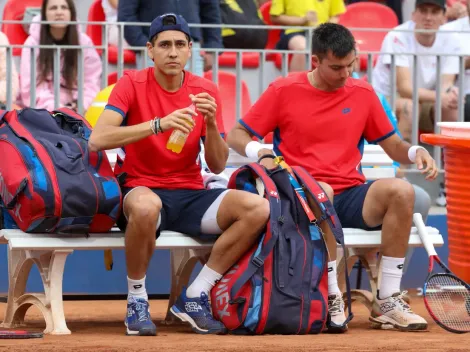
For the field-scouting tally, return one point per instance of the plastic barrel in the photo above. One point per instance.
(457, 182)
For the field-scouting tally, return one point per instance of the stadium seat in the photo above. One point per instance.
(227, 85)
(14, 10)
(368, 15)
(229, 59)
(96, 14)
(273, 34)
(112, 77)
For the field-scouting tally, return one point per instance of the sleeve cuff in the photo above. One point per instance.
(383, 137)
(243, 123)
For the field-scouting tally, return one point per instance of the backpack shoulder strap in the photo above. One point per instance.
(329, 214)
(274, 225)
(322, 200)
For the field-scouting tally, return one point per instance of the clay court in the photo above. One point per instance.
(98, 326)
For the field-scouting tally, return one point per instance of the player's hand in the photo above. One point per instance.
(206, 105)
(268, 163)
(181, 119)
(449, 100)
(426, 164)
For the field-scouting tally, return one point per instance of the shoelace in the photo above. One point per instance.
(335, 306)
(205, 303)
(401, 301)
(141, 309)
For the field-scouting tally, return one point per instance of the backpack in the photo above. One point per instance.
(49, 180)
(280, 286)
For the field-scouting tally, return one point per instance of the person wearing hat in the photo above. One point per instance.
(163, 190)
(403, 42)
(194, 12)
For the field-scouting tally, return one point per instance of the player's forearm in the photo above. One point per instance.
(238, 138)
(467, 63)
(285, 20)
(215, 150)
(110, 137)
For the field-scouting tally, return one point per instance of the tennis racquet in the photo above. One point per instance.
(20, 334)
(447, 298)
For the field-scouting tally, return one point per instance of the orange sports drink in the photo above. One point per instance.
(178, 138)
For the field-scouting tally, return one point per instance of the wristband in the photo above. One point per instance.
(412, 152)
(252, 149)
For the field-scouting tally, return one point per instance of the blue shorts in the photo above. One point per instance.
(348, 206)
(182, 209)
(283, 43)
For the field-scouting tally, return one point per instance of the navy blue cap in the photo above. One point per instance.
(168, 22)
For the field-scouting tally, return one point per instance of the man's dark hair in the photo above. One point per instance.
(334, 37)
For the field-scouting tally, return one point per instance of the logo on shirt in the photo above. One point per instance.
(346, 110)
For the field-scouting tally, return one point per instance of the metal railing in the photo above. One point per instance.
(261, 70)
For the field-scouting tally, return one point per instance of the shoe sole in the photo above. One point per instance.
(141, 332)
(385, 323)
(186, 318)
(336, 329)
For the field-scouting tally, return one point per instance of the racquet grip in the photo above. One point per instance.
(423, 234)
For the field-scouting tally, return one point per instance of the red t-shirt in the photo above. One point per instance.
(138, 98)
(321, 131)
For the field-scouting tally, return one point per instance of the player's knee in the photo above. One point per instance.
(297, 42)
(402, 194)
(256, 209)
(144, 210)
(328, 190)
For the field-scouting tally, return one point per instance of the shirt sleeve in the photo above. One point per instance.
(219, 116)
(337, 8)
(277, 8)
(262, 118)
(122, 96)
(395, 42)
(378, 126)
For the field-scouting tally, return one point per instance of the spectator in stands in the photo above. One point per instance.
(463, 25)
(59, 34)
(3, 74)
(194, 11)
(111, 14)
(164, 190)
(320, 119)
(242, 12)
(429, 15)
(302, 13)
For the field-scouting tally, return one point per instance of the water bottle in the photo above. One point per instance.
(178, 138)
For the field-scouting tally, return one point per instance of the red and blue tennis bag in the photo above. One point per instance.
(280, 286)
(49, 180)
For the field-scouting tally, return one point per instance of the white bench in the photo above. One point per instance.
(49, 252)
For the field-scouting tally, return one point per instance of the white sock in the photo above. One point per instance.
(203, 282)
(390, 274)
(332, 279)
(137, 288)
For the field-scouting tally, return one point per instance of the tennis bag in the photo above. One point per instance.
(49, 180)
(280, 286)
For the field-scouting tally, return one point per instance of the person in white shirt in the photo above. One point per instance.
(110, 13)
(463, 24)
(428, 15)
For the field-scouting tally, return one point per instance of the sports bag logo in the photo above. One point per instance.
(222, 296)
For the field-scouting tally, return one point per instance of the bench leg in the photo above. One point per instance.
(51, 268)
(182, 265)
(368, 258)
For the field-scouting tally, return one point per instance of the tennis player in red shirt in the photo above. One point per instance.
(163, 190)
(320, 120)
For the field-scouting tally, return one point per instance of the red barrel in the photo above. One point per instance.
(457, 182)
